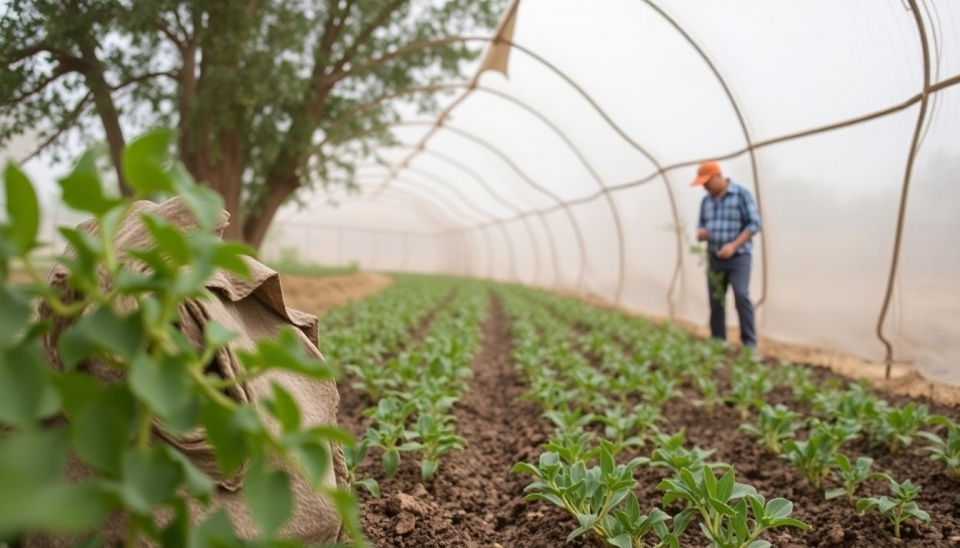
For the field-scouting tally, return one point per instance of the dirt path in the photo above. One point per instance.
(317, 295)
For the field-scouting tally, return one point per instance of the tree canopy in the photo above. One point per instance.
(252, 86)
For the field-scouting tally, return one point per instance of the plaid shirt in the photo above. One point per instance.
(725, 220)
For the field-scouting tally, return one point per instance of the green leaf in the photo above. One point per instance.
(25, 388)
(205, 203)
(199, 485)
(22, 208)
(163, 384)
(549, 497)
(285, 409)
(759, 544)
(778, 508)
(607, 464)
(333, 434)
(229, 256)
(101, 429)
(16, 313)
(427, 468)
(143, 162)
(370, 485)
(217, 335)
(346, 503)
(586, 522)
(315, 457)
(391, 460)
(269, 497)
(226, 439)
(789, 522)
(216, 532)
(76, 391)
(56, 507)
(835, 493)
(169, 239)
(525, 468)
(177, 533)
(621, 541)
(108, 331)
(82, 189)
(150, 477)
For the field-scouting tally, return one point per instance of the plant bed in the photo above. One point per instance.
(475, 500)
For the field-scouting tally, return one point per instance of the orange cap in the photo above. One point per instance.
(707, 170)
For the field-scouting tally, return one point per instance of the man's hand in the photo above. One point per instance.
(727, 251)
(702, 234)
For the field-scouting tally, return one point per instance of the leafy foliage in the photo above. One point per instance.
(161, 381)
(253, 87)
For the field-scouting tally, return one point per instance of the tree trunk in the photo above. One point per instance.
(278, 190)
(221, 172)
(103, 101)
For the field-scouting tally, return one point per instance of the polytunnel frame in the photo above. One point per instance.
(436, 214)
(929, 89)
(446, 206)
(339, 230)
(456, 192)
(524, 177)
(453, 226)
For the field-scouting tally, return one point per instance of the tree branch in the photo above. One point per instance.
(187, 38)
(60, 71)
(364, 36)
(40, 47)
(65, 124)
(143, 78)
(161, 26)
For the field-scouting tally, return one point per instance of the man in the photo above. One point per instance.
(728, 221)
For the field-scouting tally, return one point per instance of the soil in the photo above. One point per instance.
(474, 500)
(317, 295)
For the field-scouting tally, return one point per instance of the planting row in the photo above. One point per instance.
(602, 378)
(414, 388)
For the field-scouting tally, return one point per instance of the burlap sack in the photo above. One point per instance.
(255, 309)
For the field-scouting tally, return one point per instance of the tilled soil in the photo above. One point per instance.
(474, 500)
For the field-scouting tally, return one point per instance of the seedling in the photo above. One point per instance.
(437, 439)
(900, 508)
(813, 457)
(588, 494)
(352, 457)
(659, 390)
(775, 425)
(852, 475)
(573, 448)
(619, 428)
(670, 453)
(748, 391)
(390, 418)
(569, 421)
(837, 433)
(645, 419)
(725, 506)
(629, 529)
(946, 451)
(709, 395)
(897, 426)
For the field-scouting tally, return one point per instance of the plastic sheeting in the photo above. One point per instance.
(573, 169)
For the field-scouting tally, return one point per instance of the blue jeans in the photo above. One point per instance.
(735, 272)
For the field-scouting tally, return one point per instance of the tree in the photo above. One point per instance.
(253, 86)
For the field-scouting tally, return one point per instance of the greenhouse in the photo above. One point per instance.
(455, 274)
